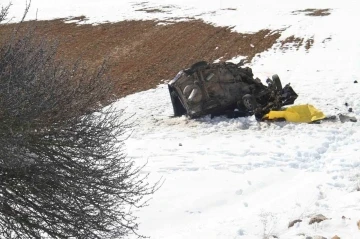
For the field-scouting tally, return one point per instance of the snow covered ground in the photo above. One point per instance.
(237, 178)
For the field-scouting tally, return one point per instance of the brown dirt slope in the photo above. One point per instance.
(143, 53)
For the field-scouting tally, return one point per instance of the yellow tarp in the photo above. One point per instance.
(298, 113)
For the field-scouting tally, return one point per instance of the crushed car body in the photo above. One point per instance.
(226, 88)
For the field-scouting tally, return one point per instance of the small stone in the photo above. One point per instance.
(335, 237)
(343, 217)
(291, 224)
(355, 81)
(346, 104)
(318, 218)
(180, 144)
(358, 224)
(350, 110)
(241, 232)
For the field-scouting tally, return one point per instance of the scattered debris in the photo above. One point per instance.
(318, 218)
(291, 224)
(345, 118)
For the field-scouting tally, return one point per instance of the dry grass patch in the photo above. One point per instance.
(314, 12)
(81, 18)
(150, 10)
(229, 9)
(292, 41)
(296, 42)
(309, 43)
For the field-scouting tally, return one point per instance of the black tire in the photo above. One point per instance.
(277, 82)
(249, 102)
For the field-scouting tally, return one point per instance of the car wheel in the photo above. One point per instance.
(249, 102)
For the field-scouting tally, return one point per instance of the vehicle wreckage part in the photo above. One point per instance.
(249, 102)
(195, 67)
(220, 88)
(298, 113)
(277, 82)
(288, 95)
(195, 95)
(210, 76)
(345, 118)
(178, 107)
(187, 90)
(192, 93)
(199, 64)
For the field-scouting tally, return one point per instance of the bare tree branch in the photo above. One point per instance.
(27, 7)
(4, 12)
(63, 173)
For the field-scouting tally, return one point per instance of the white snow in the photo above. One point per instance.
(237, 178)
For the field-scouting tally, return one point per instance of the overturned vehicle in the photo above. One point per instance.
(226, 88)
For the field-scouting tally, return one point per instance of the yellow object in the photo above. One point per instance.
(298, 113)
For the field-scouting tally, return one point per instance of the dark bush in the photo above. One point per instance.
(63, 173)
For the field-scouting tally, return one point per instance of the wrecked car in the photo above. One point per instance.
(226, 88)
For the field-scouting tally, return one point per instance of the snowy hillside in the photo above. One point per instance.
(237, 178)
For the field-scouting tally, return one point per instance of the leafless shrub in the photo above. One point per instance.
(4, 12)
(269, 222)
(63, 173)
